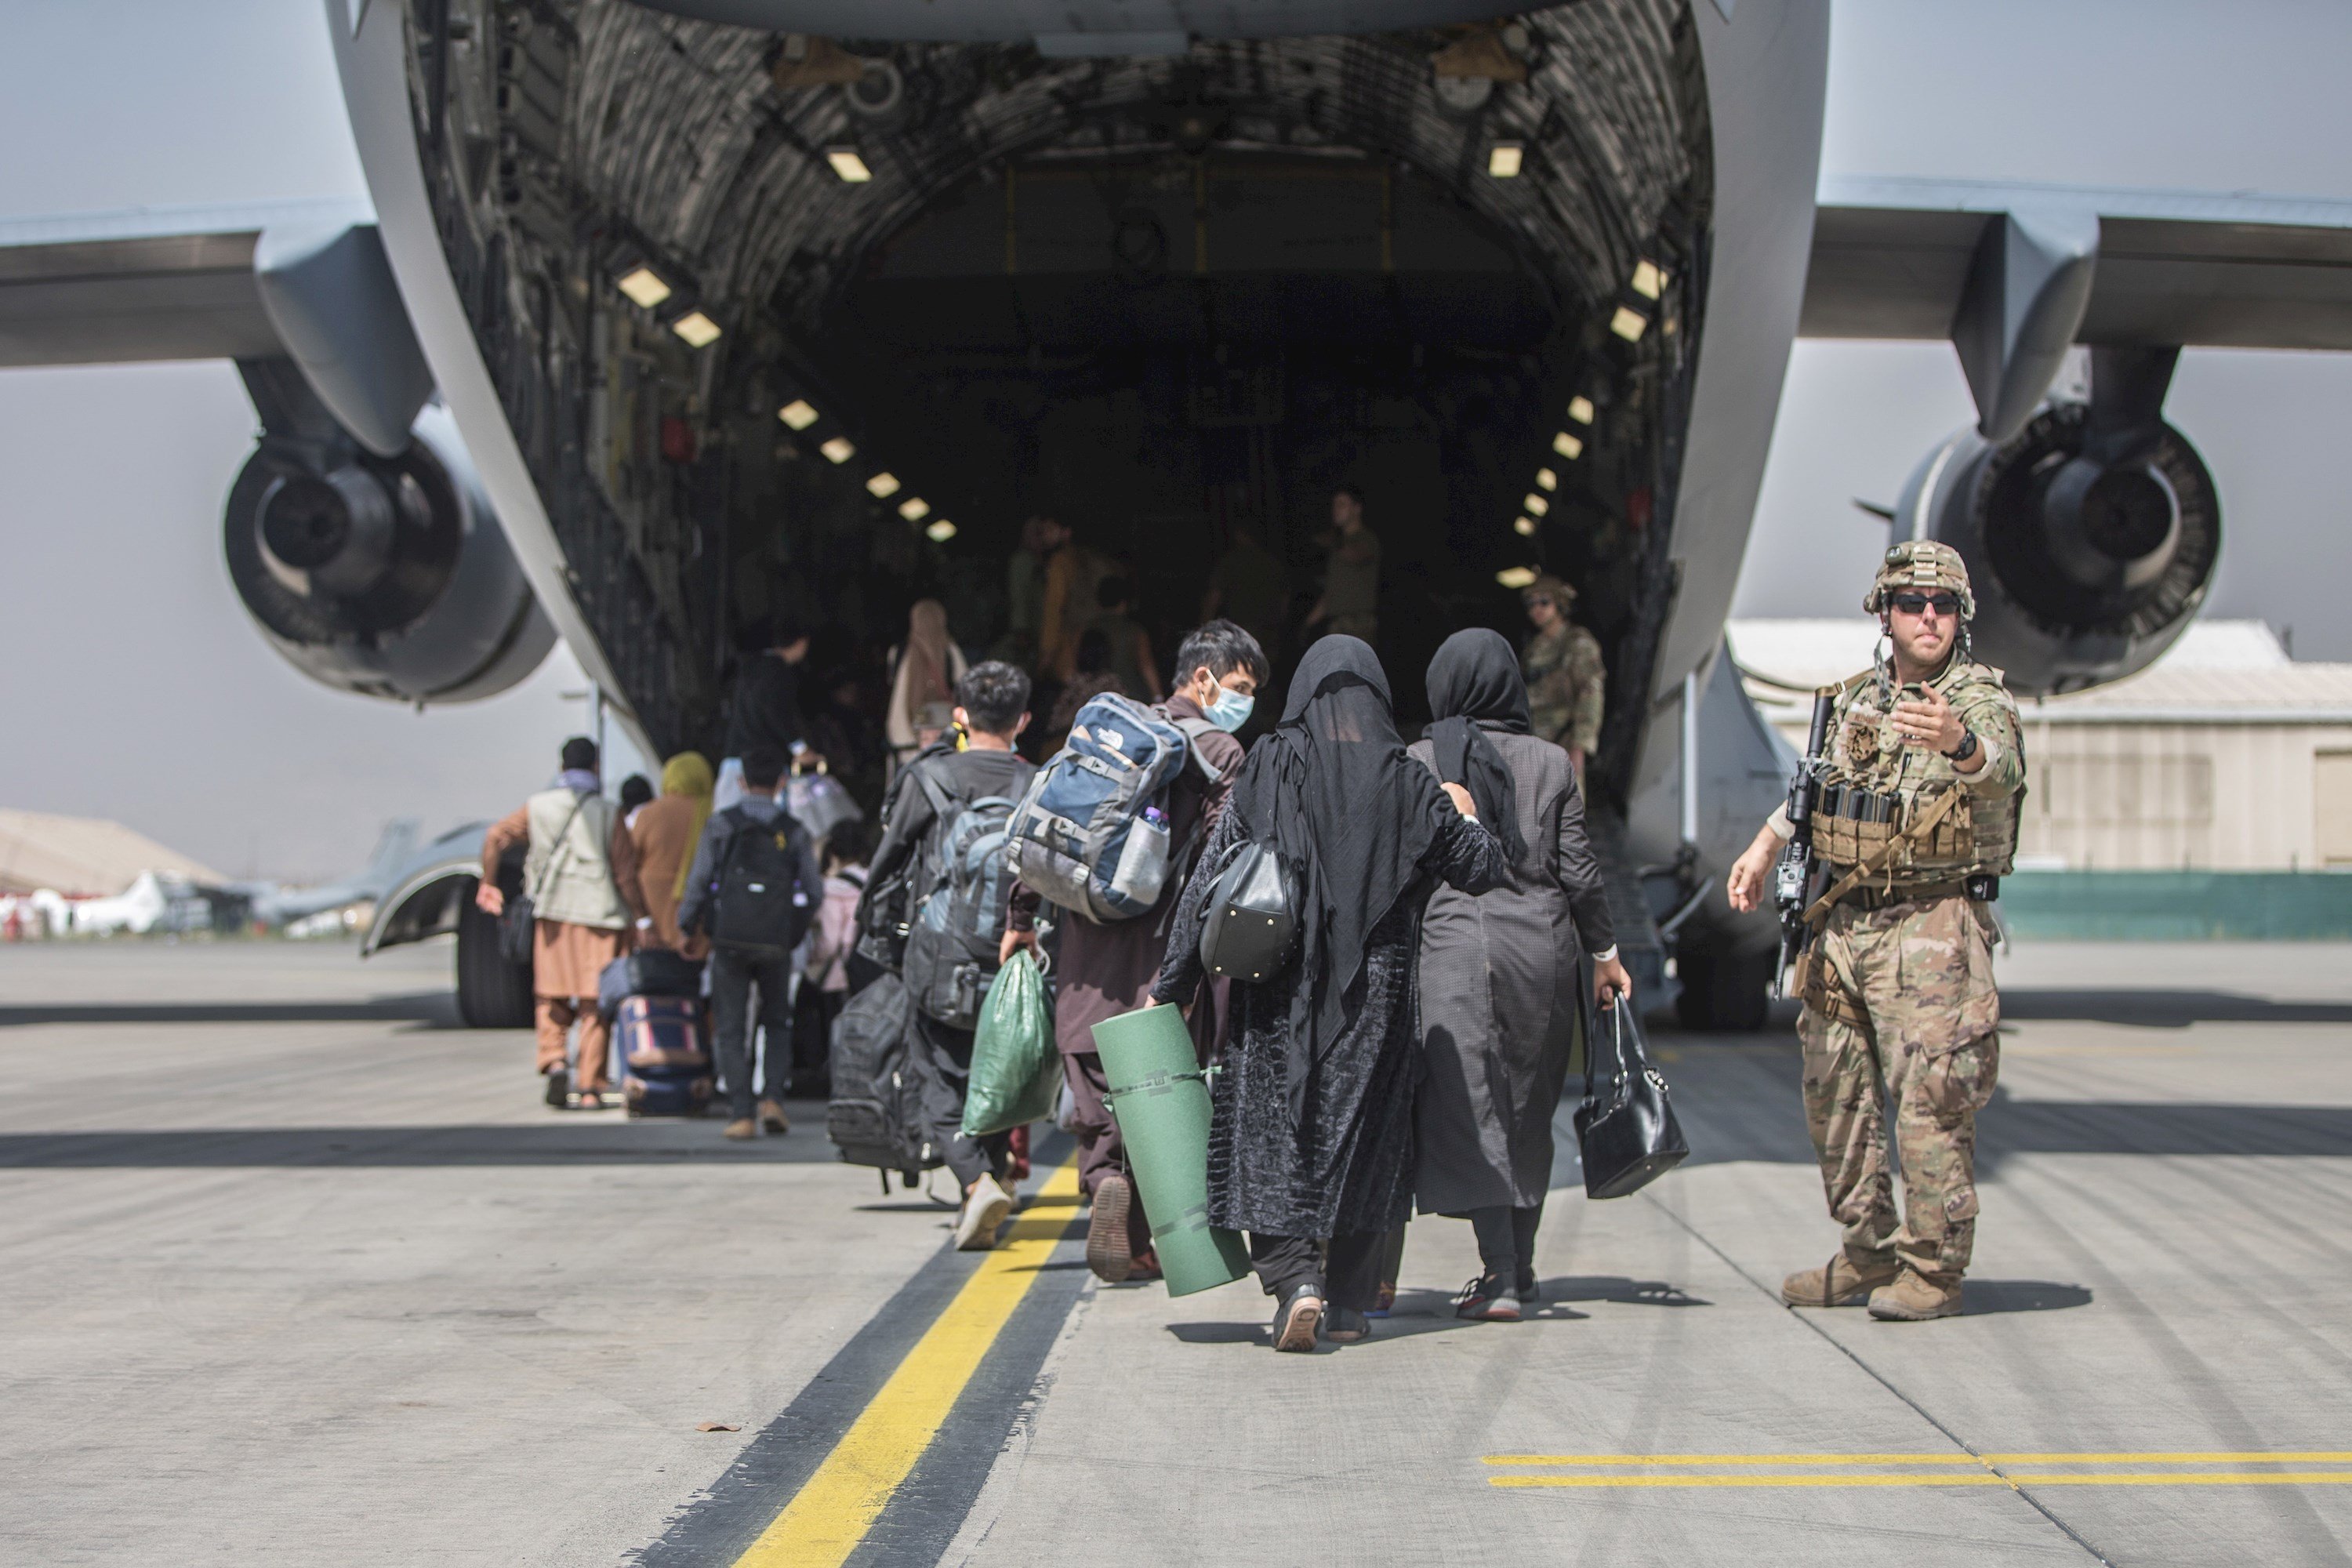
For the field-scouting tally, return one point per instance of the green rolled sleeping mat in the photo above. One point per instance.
(1161, 1101)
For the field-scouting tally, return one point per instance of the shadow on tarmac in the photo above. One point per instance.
(1983, 1296)
(438, 1008)
(2166, 1009)
(573, 1144)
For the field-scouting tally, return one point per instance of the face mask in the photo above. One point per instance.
(1231, 711)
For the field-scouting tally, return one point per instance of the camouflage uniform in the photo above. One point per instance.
(1565, 676)
(1905, 1008)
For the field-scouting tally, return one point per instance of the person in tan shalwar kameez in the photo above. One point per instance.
(582, 868)
(666, 831)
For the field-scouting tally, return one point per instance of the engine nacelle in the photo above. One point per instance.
(386, 576)
(2089, 556)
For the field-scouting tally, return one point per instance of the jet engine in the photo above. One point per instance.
(2091, 536)
(386, 576)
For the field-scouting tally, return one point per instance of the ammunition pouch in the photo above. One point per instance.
(1946, 848)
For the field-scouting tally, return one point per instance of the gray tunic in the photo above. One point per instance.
(1500, 1000)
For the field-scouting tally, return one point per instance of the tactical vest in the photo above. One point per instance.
(1876, 786)
(568, 870)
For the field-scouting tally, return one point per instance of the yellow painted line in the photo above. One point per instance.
(2300, 1457)
(828, 1517)
(1946, 1458)
(1966, 1479)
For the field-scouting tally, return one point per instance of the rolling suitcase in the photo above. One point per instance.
(665, 1056)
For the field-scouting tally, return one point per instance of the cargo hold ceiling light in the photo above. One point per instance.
(1649, 279)
(1515, 576)
(914, 508)
(1580, 409)
(1525, 528)
(1503, 160)
(838, 449)
(1568, 446)
(644, 286)
(849, 165)
(1629, 323)
(941, 532)
(882, 485)
(799, 413)
(1546, 479)
(1533, 504)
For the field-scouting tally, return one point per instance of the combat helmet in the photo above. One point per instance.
(1921, 565)
(1561, 591)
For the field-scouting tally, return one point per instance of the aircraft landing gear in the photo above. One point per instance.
(492, 994)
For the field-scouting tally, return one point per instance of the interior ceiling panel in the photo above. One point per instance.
(677, 127)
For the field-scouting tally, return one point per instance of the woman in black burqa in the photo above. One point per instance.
(1312, 1136)
(1500, 999)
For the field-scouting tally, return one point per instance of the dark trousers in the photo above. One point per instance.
(734, 976)
(1346, 1270)
(1100, 1150)
(1506, 1240)
(940, 1054)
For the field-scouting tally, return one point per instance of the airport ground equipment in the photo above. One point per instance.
(1160, 1095)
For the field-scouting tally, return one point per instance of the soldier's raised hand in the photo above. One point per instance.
(1928, 720)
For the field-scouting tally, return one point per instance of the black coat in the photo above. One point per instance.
(1347, 1165)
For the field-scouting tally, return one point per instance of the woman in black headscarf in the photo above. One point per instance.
(1499, 997)
(1312, 1139)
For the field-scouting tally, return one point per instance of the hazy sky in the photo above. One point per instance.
(133, 685)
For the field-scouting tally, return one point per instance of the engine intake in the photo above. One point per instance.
(386, 576)
(2091, 536)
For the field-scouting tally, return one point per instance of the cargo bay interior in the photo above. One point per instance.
(805, 325)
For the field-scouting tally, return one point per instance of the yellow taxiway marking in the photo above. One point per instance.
(1972, 1469)
(2299, 1457)
(828, 1517)
(1956, 1478)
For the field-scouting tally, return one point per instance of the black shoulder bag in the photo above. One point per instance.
(1253, 923)
(519, 920)
(1630, 1137)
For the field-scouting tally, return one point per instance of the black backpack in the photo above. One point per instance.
(958, 920)
(874, 1113)
(765, 897)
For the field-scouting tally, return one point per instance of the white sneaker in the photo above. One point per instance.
(984, 1208)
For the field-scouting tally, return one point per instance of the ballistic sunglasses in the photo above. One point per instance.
(1919, 604)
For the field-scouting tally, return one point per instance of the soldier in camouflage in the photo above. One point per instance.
(1564, 673)
(1898, 994)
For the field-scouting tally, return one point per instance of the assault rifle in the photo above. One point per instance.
(1793, 878)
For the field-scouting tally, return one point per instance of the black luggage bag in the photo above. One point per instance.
(871, 1117)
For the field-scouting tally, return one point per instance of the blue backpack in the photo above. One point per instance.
(1091, 831)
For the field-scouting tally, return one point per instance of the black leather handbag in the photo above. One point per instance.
(1630, 1137)
(1253, 925)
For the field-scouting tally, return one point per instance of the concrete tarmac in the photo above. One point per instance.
(296, 1272)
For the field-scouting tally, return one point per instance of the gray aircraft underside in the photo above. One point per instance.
(360, 534)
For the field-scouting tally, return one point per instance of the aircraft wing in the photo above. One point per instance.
(1892, 258)
(153, 283)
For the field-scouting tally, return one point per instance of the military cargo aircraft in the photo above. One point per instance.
(670, 315)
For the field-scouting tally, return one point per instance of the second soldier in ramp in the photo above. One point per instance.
(1918, 823)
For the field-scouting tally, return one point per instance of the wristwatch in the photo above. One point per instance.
(1965, 750)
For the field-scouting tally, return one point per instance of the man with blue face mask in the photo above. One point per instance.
(1103, 970)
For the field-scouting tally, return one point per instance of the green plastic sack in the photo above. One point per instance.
(1015, 1071)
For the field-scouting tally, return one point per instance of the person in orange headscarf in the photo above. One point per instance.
(667, 830)
(922, 688)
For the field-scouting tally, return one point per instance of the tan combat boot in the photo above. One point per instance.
(1915, 1298)
(1837, 1283)
(738, 1131)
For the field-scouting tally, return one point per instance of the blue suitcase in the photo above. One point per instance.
(665, 1056)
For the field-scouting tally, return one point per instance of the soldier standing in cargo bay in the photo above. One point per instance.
(1916, 824)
